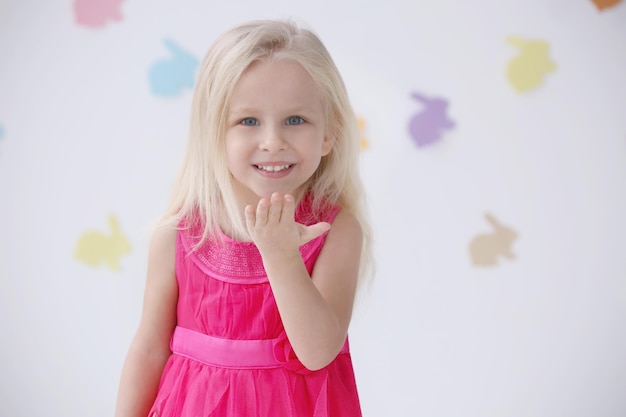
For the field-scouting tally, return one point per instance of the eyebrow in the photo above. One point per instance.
(241, 110)
(238, 111)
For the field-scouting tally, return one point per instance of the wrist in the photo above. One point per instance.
(283, 256)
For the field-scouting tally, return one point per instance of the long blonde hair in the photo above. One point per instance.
(203, 191)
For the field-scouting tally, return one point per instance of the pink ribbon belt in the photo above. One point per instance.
(227, 353)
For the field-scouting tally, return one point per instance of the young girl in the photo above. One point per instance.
(252, 277)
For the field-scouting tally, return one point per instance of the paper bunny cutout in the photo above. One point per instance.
(95, 247)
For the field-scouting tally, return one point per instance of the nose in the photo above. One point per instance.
(272, 140)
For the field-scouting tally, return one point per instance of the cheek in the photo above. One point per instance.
(234, 158)
(234, 148)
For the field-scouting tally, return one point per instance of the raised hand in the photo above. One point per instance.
(273, 228)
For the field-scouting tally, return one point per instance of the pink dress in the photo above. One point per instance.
(231, 353)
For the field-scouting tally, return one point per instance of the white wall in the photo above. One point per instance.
(83, 134)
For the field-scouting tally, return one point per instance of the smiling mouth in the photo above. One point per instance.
(274, 168)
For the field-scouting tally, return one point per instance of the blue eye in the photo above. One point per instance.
(249, 121)
(295, 120)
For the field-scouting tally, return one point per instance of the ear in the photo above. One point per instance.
(328, 144)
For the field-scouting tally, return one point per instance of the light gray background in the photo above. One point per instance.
(543, 335)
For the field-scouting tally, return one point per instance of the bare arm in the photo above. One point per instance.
(149, 349)
(315, 310)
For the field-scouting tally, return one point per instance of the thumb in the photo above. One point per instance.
(308, 233)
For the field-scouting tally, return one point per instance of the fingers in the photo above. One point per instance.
(281, 208)
(250, 217)
(262, 212)
(289, 208)
(258, 216)
(277, 209)
(272, 223)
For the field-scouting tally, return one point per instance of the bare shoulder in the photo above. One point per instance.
(341, 253)
(163, 241)
(346, 228)
(342, 248)
(161, 274)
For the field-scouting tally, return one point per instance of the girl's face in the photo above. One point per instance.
(276, 131)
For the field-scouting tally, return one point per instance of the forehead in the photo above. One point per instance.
(276, 84)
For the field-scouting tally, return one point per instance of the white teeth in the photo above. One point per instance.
(273, 168)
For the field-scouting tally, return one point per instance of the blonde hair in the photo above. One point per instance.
(203, 191)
